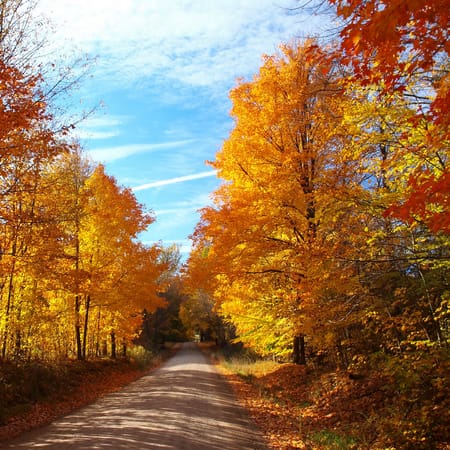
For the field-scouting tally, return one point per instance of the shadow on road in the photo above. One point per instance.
(183, 405)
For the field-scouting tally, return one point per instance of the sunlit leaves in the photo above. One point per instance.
(402, 47)
(70, 259)
(277, 217)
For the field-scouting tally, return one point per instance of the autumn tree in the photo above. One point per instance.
(19, 41)
(28, 144)
(277, 219)
(110, 276)
(69, 248)
(397, 124)
(402, 47)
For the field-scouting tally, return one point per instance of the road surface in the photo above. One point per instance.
(183, 405)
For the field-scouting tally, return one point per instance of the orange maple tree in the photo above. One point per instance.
(275, 224)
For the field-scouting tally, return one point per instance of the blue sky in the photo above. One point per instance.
(162, 72)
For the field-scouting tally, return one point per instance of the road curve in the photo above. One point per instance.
(183, 405)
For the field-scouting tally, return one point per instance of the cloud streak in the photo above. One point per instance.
(110, 154)
(105, 127)
(182, 179)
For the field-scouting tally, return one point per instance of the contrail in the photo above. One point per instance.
(194, 176)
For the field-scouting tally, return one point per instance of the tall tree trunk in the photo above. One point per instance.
(342, 357)
(97, 339)
(299, 355)
(18, 333)
(87, 304)
(113, 345)
(18, 344)
(77, 290)
(9, 304)
(78, 328)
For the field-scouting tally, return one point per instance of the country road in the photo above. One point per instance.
(185, 404)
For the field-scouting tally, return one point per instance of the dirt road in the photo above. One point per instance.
(183, 405)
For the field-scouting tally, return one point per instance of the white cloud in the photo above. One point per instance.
(104, 127)
(105, 121)
(187, 206)
(196, 43)
(173, 211)
(92, 134)
(114, 153)
(182, 179)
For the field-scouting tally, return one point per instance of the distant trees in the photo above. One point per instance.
(164, 323)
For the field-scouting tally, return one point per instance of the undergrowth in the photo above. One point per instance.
(26, 383)
(306, 408)
(249, 369)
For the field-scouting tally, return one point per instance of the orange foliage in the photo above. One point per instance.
(270, 245)
(68, 240)
(304, 241)
(396, 44)
(388, 39)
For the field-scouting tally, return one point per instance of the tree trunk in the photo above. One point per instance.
(86, 319)
(299, 355)
(97, 340)
(9, 304)
(77, 286)
(113, 345)
(342, 358)
(78, 328)
(18, 348)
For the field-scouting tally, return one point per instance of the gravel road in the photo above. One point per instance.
(185, 404)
